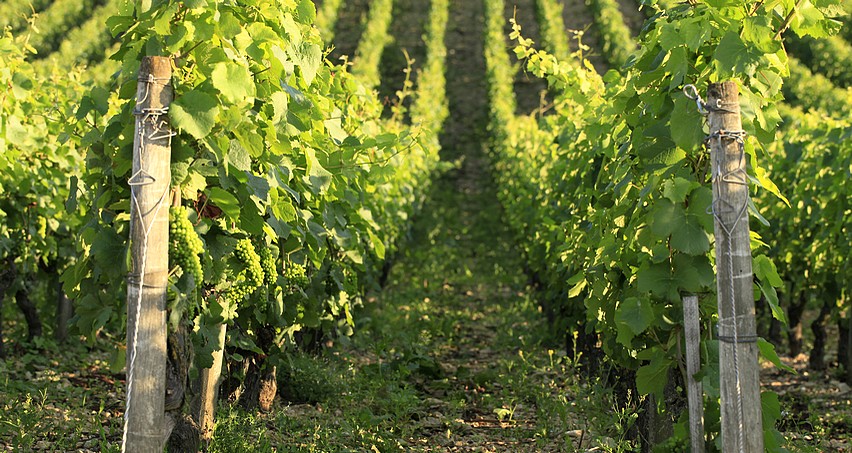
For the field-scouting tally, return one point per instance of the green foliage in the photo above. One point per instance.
(553, 36)
(326, 18)
(64, 397)
(282, 161)
(103, 71)
(373, 42)
(831, 57)
(39, 169)
(810, 236)
(609, 196)
(812, 91)
(87, 42)
(304, 379)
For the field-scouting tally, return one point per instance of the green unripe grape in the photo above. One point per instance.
(267, 262)
(251, 276)
(184, 244)
(246, 253)
(296, 277)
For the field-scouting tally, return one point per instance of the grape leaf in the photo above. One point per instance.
(234, 81)
(225, 201)
(652, 377)
(767, 351)
(632, 317)
(378, 245)
(686, 124)
(306, 12)
(683, 225)
(765, 270)
(195, 112)
(677, 189)
(733, 57)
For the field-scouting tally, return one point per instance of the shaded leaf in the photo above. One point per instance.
(224, 201)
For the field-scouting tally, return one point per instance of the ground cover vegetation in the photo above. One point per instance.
(422, 225)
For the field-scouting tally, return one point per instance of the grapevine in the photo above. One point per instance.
(14, 14)
(88, 42)
(40, 209)
(623, 154)
(57, 20)
(314, 168)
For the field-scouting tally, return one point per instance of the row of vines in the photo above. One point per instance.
(610, 194)
(289, 189)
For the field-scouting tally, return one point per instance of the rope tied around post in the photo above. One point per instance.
(730, 323)
(704, 108)
(691, 92)
(158, 118)
(736, 176)
(149, 80)
(139, 280)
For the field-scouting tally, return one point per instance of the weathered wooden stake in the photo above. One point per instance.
(204, 406)
(149, 237)
(742, 427)
(695, 391)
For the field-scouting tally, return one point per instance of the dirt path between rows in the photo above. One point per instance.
(457, 309)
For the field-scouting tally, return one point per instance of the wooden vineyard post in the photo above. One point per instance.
(695, 391)
(742, 427)
(144, 429)
(204, 405)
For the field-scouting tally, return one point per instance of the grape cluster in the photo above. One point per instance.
(240, 292)
(184, 243)
(267, 262)
(246, 253)
(296, 277)
(251, 276)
